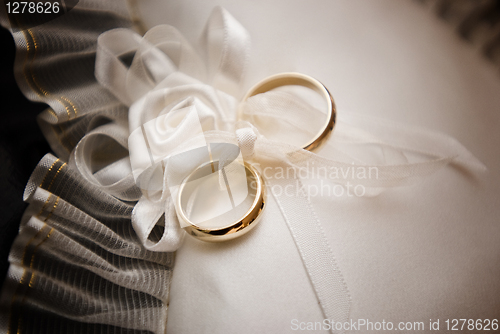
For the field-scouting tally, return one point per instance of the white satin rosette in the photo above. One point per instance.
(180, 101)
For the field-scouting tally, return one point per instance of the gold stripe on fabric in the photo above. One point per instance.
(75, 110)
(23, 259)
(53, 208)
(32, 280)
(54, 178)
(53, 113)
(31, 266)
(35, 85)
(39, 87)
(25, 72)
(46, 93)
(44, 205)
(50, 169)
(35, 46)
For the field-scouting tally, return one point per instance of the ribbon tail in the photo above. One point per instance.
(326, 278)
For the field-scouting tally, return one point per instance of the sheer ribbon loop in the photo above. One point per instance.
(110, 71)
(227, 44)
(111, 172)
(163, 50)
(152, 213)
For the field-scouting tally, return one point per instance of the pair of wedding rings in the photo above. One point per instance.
(252, 216)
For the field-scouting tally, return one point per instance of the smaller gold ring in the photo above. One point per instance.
(291, 78)
(235, 229)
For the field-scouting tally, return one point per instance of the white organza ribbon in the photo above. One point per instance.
(180, 102)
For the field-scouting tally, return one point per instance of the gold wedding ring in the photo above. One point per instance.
(251, 217)
(235, 229)
(285, 79)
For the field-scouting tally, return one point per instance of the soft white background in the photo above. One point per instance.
(411, 254)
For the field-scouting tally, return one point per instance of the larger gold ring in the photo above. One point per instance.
(285, 79)
(235, 229)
